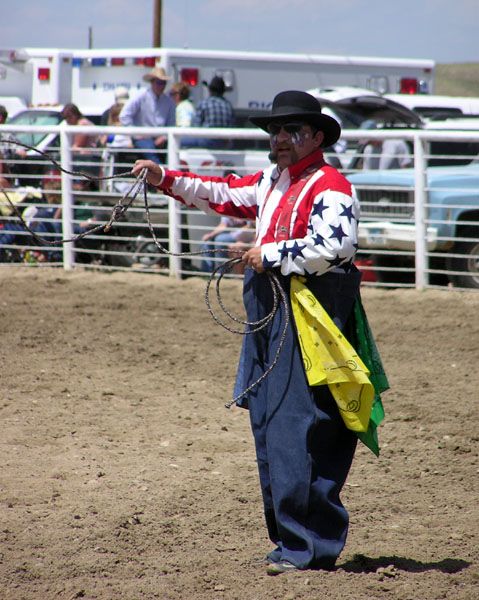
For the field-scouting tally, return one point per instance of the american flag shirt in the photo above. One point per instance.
(306, 216)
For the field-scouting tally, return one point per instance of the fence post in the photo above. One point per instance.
(420, 213)
(174, 216)
(67, 199)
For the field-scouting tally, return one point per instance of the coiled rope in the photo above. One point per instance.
(120, 209)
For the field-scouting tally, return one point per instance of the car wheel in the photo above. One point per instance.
(124, 257)
(383, 263)
(468, 264)
(147, 255)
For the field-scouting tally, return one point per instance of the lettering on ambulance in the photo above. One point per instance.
(259, 104)
(109, 86)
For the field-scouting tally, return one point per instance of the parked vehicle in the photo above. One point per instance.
(430, 106)
(452, 216)
(28, 165)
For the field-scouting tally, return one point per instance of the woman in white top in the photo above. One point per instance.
(180, 92)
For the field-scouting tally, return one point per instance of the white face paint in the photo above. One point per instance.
(298, 138)
(290, 142)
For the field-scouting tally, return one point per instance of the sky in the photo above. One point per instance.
(441, 30)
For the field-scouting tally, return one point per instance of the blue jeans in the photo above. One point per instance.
(225, 238)
(148, 144)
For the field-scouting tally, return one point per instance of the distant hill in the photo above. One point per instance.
(460, 79)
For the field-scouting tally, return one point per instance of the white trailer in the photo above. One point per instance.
(39, 77)
(88, 78)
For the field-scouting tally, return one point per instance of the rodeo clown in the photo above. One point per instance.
(306, 216)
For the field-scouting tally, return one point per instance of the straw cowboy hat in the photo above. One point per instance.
(157, 73)
(301, 106)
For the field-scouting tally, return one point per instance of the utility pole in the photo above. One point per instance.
(157, 17)
(90, 37)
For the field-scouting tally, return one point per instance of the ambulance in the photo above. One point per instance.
(33, 77)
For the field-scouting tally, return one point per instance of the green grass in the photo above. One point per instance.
(460, 79)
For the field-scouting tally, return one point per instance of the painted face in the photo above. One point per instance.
(292, 141)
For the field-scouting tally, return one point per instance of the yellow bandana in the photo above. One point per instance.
(329, 359)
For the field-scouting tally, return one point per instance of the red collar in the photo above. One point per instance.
(315, 158)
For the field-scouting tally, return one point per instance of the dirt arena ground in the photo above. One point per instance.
(124, 477)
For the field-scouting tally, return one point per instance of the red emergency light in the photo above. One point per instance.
(145, 61)
(190, 76)
(117, 62)
(43, 74)
(409, 85)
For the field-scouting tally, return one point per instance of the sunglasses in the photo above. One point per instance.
(291, 128)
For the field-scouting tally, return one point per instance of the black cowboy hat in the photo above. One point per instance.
(301, 106)
(216, 85)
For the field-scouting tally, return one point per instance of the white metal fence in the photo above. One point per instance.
(419, 227)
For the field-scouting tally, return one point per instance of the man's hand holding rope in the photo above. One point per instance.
(154, 171)
(154, 176)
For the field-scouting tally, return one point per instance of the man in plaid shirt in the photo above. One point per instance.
(215, 111)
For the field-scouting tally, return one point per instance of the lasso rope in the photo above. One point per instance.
(120, 209)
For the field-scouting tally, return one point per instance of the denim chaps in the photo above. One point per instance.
(303, 449)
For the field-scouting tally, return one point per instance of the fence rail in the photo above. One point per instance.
(419, 226)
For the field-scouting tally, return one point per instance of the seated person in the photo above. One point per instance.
(84, 146)
(40, 216)
(118, 151)
(229, 231)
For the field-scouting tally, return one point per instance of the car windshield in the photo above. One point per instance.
(33, 117)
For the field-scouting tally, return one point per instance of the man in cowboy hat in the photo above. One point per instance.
(214, 111)
(151, 108)
(306, 224)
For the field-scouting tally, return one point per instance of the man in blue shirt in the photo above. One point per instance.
(151, 108)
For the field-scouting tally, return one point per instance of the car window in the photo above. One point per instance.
(31, 117)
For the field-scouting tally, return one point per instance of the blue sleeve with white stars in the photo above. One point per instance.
(330, 243)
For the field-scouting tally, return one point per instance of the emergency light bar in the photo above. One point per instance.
(146, 61)
(114, 61)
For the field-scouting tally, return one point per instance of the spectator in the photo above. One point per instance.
(122, 96)
(214, 111)
(385, 154)
(42, 216)
(45, 221)
(116, 140)
(395, 154)
(152, 108)
(83, 144)
(118, 151)
(229, 231)
(4, 151)
(180, 92)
